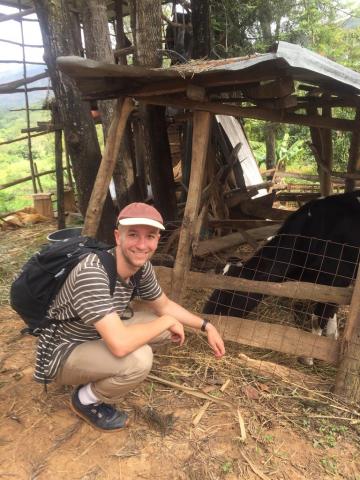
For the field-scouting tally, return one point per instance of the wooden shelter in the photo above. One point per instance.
(288, 85)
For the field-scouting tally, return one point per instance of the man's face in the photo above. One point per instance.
(137, 243)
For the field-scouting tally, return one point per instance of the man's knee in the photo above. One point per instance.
(139, 362)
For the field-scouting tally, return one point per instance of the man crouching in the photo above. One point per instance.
(88, 344)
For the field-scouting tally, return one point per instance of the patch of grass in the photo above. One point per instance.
(330, 465)
(227, 467)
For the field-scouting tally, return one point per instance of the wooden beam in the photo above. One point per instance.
(278, 88)
(196, 93)
(279, 338)
(297, 196)
(236, 196)
(300, 290)
(102, 182)
(286, 102)
(201, 133)
(233, 240)
(336, 177)
(254, 112)
(305, 102)
(234, 224)
(347, 382)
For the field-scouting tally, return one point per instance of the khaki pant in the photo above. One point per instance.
(110, 376)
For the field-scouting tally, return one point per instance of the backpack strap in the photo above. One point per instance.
(109, 263)
(135, 280)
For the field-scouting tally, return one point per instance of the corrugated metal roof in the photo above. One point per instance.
(100, 80)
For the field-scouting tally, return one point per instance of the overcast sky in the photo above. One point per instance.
(10, 30)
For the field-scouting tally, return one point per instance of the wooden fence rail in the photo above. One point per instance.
(26, 179)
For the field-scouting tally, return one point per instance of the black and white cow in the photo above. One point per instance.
(319, 243)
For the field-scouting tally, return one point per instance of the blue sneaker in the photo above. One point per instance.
(101, 416)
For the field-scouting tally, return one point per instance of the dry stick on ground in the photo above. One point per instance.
(207, 404)
(191, 391)
(242, 437)
(263, 367)
(253, 467)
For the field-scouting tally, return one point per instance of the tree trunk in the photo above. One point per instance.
(146, 25)
(98, 47)
(200, 17)
(83, 146)
(270, 146)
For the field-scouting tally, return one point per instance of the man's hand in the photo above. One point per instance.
(177, 333)
(215, 341)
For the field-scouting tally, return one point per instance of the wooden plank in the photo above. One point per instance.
(285, 102)
(201, 133)
(234, 224)
(233, 240)
(297, 196)
(194, 92)
(278, 116)
(102, 182)
(279, 338)
(347, 381)
(260, 206)
(301, 290)
(278, 88)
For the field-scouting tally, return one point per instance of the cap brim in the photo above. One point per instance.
(141, 221)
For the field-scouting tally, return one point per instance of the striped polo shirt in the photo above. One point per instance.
(82, 301)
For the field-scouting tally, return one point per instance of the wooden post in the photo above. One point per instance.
(201, 133)
(354, 155)
(102, 182)
(347, 382)
(326, 155)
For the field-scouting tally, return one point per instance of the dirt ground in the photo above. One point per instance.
(260, 427)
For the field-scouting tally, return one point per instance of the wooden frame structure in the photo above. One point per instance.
(268, 87)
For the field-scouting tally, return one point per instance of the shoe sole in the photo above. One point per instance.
(104, 430)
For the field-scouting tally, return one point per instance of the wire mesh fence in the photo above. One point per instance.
(284, 323)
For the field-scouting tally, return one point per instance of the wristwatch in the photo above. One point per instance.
(203, 326)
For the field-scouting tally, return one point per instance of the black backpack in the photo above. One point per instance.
(42, 276)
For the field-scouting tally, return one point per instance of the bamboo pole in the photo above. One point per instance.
(19, 139)
(16, 16)
(200, 139)
(347, 381)
(24, 179)
(4, 87)
(58, 150)
(102, 182)
(32, 169)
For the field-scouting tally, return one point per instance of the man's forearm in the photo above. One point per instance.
(180, 313)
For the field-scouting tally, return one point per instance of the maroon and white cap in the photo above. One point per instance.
(140, 214)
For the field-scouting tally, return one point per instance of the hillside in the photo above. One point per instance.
(17, 100)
